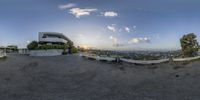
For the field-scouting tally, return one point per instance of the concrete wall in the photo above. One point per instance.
(2, 54)
(23, 51)
(51, 52)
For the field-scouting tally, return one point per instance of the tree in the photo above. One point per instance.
(65, 47)
(71, 45)
(33, 45)
(13, 47)
(189, 45)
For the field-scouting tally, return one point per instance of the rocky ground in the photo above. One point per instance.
(72, 77)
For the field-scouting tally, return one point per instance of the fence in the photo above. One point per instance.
(186, 59)
(142, 62)
(99, 58)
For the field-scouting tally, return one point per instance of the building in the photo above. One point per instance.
(52, 38)
(9, 49)
(50, 44)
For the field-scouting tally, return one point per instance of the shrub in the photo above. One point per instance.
(33, 45)
(74, 50)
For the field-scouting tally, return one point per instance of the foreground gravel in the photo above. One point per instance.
(74, 78)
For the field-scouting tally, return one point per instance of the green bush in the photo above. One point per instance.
(74, 50)
(33, 45)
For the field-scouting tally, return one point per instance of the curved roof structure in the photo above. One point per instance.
(52, 37)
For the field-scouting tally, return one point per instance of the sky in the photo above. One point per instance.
(101, 24)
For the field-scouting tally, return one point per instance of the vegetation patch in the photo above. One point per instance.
(34, 45)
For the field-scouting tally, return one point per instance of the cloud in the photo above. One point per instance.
(28, 42)
(78, 12)
(114, 39)
(140, 40)
(115, 42)
(111, 28)
(66, 6)
(130, 29)
(127, 29)
(110, 14)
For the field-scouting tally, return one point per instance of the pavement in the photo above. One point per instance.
(72, 77)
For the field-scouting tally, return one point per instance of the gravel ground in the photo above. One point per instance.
(74, 78)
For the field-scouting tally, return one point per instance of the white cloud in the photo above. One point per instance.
(66, 6)
(112, 28)
(78, 12)
(28, 42)
(127, 29)
(114, 39)
(110, 14)
(115, 42)
(140, 40)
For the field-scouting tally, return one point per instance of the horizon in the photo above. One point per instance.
(140, 25)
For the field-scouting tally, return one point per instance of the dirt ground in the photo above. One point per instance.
(72, 77)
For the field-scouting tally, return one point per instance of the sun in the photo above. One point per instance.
(84, 47)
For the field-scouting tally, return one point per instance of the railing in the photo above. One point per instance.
(186, 59)
(142, 62)
(98, 57)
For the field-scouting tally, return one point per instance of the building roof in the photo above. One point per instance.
(55, 34)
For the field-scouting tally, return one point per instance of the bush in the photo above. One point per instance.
(74, 50)
(33, 45)
(13, 47)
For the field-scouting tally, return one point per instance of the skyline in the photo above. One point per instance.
(139, 25)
